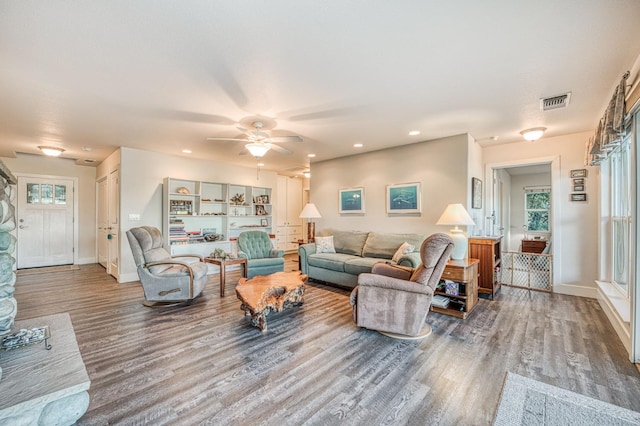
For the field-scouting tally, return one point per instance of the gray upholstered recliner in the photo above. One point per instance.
(262, 258)
(394, 299)
(165, 279)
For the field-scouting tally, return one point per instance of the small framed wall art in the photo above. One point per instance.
(578, 181)
(579, 197)
(351, 200)
(404, 198)
(579, 173)
(578, 188)
(476, 193)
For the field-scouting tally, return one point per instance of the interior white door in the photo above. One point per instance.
(114, 223)
(45, 222)
(103, 223)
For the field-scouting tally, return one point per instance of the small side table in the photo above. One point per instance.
(223, 263)
(300, 242)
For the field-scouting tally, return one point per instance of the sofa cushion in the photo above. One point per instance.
(331, 261)
(325, 244)
(384, 246)
(349, 242)
(360, 265)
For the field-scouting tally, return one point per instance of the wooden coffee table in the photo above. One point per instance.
(223, 263)
(270, 293)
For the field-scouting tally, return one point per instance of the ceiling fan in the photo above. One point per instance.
(259, 141)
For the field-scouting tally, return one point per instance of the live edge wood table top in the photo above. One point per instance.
(270, 293)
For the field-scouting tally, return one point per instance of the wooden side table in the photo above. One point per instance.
(223, 263)
(465, 273)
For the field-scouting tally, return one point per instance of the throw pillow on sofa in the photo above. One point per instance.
(325, 245)
(405, 248)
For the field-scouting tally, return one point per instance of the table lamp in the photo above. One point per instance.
(309, 212)
(456, 214)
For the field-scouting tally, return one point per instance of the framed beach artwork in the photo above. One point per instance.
(404, 198)
(351, 200)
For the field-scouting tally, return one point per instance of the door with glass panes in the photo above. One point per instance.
(45, 221)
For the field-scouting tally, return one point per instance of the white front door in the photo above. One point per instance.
(45, 222)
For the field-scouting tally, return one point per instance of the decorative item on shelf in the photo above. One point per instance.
(183, 190)
(237, 200)
(310, 212)
(219, 254)
(264, 222)
(26, 337)
(457, 215)
(206, 200)
(260, 210)
(212, 237)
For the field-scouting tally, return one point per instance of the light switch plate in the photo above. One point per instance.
(134, 216)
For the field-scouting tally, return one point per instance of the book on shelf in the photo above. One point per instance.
(440, 301)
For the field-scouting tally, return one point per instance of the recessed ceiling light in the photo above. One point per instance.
(51, 151)
(187, 151)
(86, 148)
(311, 155)
(414, 133)
(358, 145)
(307, 174)
(260, 164)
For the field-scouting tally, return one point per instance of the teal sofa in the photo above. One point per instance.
(356, 253)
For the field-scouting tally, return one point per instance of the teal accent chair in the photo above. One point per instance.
(262, 258)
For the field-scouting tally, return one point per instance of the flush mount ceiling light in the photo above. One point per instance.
(357, 145)
(311, 155)
(414, 133)
(533, 134)
(187, 151)
(51, 151)
(258, 149)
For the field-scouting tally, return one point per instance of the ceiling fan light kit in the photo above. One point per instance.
(257, 149)
(51, 151)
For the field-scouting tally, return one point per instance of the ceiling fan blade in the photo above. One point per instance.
(245, 151)
(227, 139)
(277, 139)
(280, 149)
(242, 129)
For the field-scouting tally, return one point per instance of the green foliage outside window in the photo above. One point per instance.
(537, 205)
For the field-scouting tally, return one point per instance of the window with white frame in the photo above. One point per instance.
(537, 208)
(620, 208)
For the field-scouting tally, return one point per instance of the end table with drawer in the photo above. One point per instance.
(465, 273)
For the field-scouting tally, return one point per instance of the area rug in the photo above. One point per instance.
(529, 402)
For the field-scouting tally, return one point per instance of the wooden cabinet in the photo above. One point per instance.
(288, 208)
(533, 246)
(464, 274)
(488, 251)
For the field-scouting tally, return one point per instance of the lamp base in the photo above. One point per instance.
(460, 244)
(311, 232)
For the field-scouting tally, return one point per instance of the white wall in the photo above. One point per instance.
(51, 166)
(579, 221)
(518, 182)
(475, 166)
(440, 165)
(141, 176)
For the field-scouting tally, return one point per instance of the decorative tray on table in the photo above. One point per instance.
(26, 337)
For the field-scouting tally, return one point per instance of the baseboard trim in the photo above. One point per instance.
(576, 290)
(87, 260)
(129, 277)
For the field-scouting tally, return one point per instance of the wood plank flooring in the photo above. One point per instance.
(205, 363)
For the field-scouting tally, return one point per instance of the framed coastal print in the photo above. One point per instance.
(351, 200)
(578, 197)
(404, 198)
(579, 173)
(476, 193)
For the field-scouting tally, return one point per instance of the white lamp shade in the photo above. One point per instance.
(310, 211)
(455, 214)
(257, 149)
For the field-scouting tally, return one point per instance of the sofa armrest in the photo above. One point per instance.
(411, 260)
(390, 270)
(304, 251)
(381, 281)
(276, 253)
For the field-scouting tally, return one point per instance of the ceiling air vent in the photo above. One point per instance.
(555, 102)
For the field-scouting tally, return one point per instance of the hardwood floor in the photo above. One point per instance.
(205, 363)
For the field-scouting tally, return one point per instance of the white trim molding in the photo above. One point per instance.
(616, 308)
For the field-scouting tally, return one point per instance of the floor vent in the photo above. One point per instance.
(555, 102)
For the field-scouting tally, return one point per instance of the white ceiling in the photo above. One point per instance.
(164, 75)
